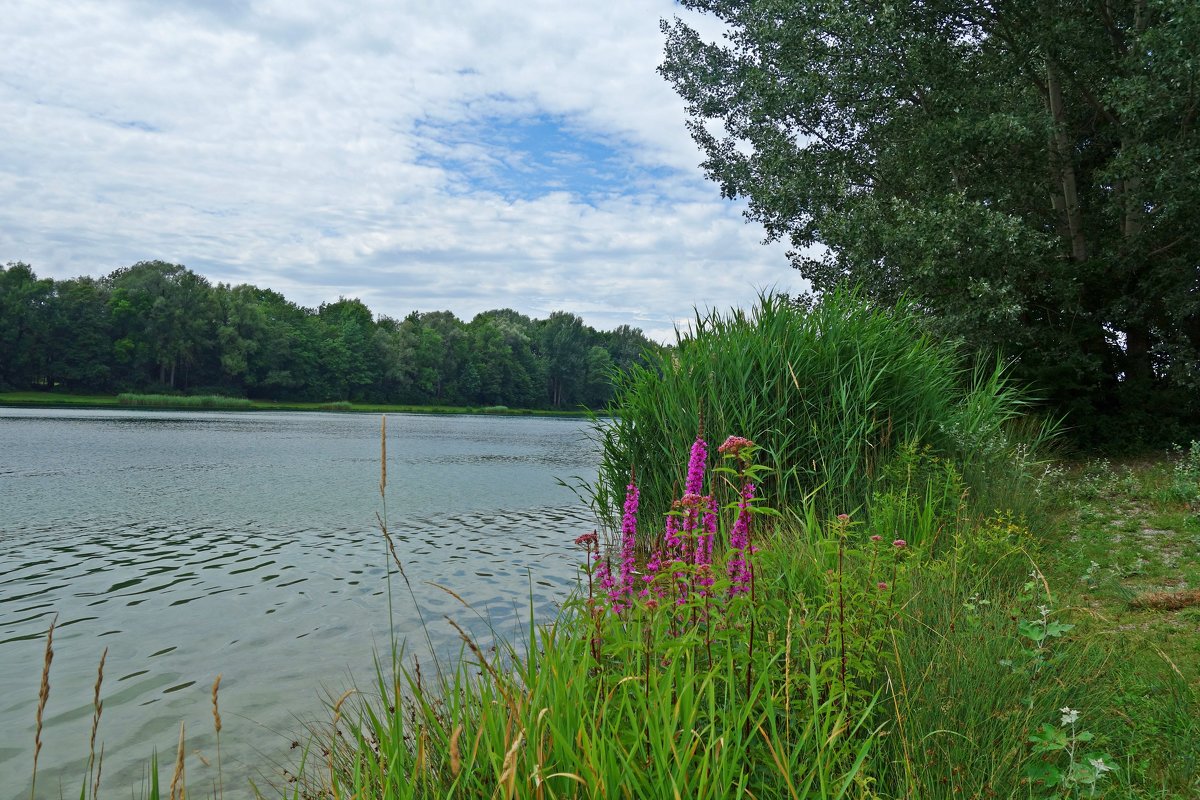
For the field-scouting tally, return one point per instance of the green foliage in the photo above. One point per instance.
(831, 394)
(921, 494)
(1026, 173)
(1063, 769)
(1185, 476)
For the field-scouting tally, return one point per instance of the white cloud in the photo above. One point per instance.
(327, 149)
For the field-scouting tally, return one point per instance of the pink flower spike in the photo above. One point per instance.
(695, 475)
(899, 544)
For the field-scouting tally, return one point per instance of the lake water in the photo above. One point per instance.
(195, 543)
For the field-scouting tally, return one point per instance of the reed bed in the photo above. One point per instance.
(183, 401)
(830, 393)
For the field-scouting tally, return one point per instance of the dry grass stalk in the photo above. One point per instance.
(419, 762)
(450, 592)
(43, 696)
(99, 769)
(787, 673)
(217, 726)
(508, 774)
(333, 736)
(216, 709)
(178, 789)
(1167, 601)
(337, 707)
(98, 707)
(483, 662)
(383, 456)
(455, 755)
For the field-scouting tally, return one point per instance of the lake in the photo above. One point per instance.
(246, 544)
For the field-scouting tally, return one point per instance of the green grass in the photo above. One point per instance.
(1119, 532)
(57, 399)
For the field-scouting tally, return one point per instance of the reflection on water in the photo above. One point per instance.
(246, 544)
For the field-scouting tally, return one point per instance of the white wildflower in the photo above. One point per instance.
(1069, 715)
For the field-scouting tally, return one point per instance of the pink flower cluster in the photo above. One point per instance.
(734, 445)
(686, 551)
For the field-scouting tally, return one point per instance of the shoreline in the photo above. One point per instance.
(60, 400)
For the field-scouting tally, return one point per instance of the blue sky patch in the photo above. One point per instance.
(529, 157)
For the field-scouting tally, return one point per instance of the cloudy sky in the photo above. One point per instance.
(417, 154)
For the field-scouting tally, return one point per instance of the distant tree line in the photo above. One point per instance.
(161, 327)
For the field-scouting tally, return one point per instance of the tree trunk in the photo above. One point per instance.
(1064, 164)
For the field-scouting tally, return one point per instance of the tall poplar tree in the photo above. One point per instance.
(1027, 171)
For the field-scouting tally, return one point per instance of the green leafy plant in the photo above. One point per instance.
(1063, 769)
(1185, 475)
(1037, 634)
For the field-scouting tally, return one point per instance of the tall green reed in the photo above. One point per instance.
(829, 394)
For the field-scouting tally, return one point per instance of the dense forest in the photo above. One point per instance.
(163, 328)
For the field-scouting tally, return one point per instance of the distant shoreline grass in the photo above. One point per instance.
(221, 403)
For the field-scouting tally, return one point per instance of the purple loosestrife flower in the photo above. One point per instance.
(738, 567)
(702, 522)
(671, 534)
(695, 475)
(605, 577)
(653, 567)
(628, 545)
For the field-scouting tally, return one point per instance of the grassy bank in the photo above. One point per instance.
(1052, 657)
(1011, 658)
(202, 402)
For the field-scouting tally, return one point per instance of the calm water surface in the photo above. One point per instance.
(246, 544)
